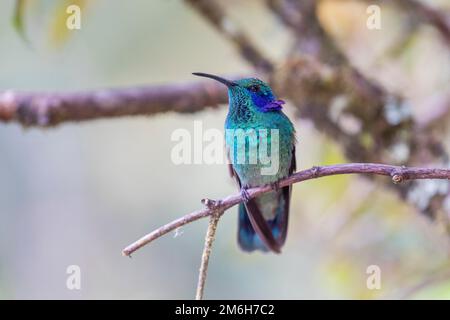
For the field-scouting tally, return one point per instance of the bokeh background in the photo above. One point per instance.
(78, 193)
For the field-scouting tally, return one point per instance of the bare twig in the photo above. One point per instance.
(50, 109)
(210, 236)
(398, 175)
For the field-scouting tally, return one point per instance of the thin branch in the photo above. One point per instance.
(209, 239)
(50, 109)
(398, 175)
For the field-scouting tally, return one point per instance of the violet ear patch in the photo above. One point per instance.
(273, 106)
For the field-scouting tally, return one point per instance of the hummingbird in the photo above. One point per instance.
(253, 107)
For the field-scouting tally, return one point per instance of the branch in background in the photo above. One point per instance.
(328, 90)
(217, 17)
(397, 173)
(370, 123)
(426, 14)
(422, 12)
(50, 109)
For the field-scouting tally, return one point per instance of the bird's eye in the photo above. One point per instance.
(254, 88)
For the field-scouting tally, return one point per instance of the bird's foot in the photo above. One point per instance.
(315, 171)
(275, 185)
(245, 195)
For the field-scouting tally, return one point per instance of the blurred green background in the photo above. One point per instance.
(79, 193)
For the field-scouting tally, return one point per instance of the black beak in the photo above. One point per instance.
(226, 82)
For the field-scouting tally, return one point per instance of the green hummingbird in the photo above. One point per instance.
(257, 129)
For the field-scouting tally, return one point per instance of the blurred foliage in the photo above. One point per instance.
(58, 32)
(18, 18)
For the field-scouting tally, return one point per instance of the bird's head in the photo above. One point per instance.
(249, 89)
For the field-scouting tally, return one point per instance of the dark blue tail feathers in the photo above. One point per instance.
(250, 241)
